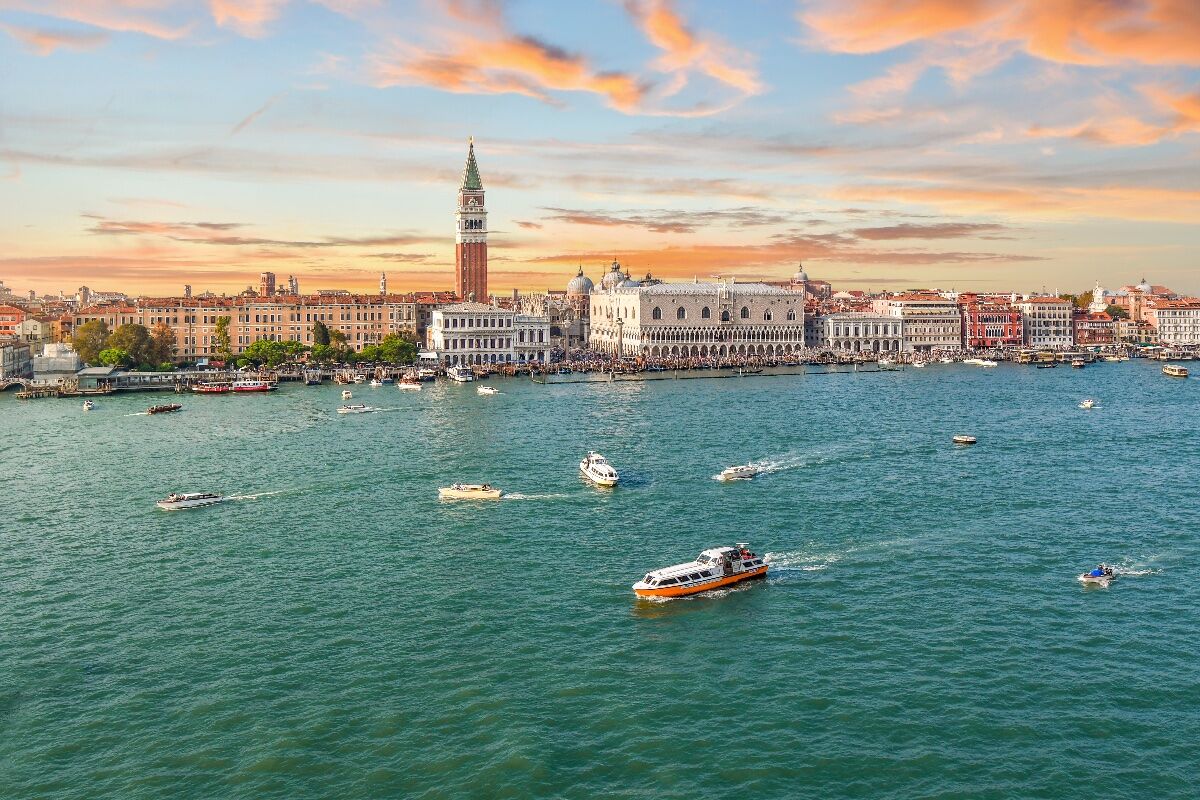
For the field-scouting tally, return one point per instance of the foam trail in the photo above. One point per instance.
(800, 561)
(520, 496)
(254, 496)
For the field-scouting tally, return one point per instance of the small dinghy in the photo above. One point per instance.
(1087, 404)
(962, 438)
(739, 473)
(1102, 575)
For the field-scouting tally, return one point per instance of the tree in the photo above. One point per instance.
(162, 344)
(224, 345)
(114, 357)
(322, 353)
(394, 349)
(135, 340)
(1117, 312)
(320, 333)
(341, 349)
(89, 339)
(272, 353)
(370, 352)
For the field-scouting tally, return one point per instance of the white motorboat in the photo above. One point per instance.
(88, 405)
(357, 408)
(407, 385)
(1088, 403)
(919, 364)
(375, 383)
(488, 390)
(347, 394)
(180, 502)
(712, 569)
(426, 374)
(460, 374)
(469, 491)
(962, 438)
(597, 470)
(360, 378)
(946, 360)
(740, 473)
(975, 362)
(1102, 575)
(987, 362)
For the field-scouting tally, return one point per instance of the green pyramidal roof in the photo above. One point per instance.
(471, 179)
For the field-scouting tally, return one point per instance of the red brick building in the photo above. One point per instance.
(470, 248)
(989, 321)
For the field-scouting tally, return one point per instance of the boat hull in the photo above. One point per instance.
(601, 481)
(708, 586)
(461, 494)
(188, 504)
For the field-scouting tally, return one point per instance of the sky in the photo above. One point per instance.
(1019, 145)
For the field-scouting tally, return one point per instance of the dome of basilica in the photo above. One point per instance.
(580, 285)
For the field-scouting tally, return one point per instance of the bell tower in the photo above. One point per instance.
(470, 237)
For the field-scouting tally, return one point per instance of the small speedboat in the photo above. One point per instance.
(740, 473)
(488, 390)
(1087, 404)
(407, 385)
(357, 408)
(919, 364)
(181, 502)
(88, 405)
(360, 378)
(166, 408)
(469, 491)
(375, 383)
(1078, 363)
(1102, 575)
(987, 362)
(347, 394)
(597, 470)
(975, 362)
(962, 438)
(712, 569)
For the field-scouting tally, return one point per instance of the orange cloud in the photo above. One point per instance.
(1087, 32)
(125, 16)
(44, 42)
(247, 17)
(684, 50)
(1114, 127)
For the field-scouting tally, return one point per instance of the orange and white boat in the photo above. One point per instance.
(712, 569)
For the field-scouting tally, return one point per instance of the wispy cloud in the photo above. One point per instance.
(247, 17)
(44, 41)
(668, 221)
(255, 114)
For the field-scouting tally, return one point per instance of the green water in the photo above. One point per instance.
(341, 633)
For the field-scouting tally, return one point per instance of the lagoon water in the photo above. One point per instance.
(336, 631)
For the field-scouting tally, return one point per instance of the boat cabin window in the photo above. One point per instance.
(703, 559)
(648, 579)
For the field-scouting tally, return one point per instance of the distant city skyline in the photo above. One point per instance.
(983, 145)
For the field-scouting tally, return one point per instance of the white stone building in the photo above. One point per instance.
(862, 331)
(475, 333)
(1046, 322)
(701, 320)
(1177, 321)
(929, 321)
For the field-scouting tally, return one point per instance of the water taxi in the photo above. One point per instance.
(712, 569)
(166, 408)
(1175, 371)
(597, 470)
(962, 438)
(180, 502)
(1088, 404)
(460, 374)
(212, 388)
(469, 491)
(357, 408)
(739, 473)
(488, 390)
(253, 386)
(409, 385)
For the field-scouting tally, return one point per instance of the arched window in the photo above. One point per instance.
(767, 315)
(791, 315)
(704, 313)
(656, 313)
(725, 316)
(745, 313)
(681, 313)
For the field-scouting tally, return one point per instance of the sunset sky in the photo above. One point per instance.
(970, 144)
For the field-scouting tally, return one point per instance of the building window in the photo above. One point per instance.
(791, 315)
(724, 316)
(681, 313)
(767, 315)
(656, 313)
(705, 313)
(745, 313)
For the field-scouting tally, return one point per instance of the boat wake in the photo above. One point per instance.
(800, 561)
(772, 465)
(253, 496)
(522, 496)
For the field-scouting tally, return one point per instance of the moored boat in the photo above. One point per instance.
(962, 438)
(469, 491)
(596, 469)
(426, 374)
(1078, 363)
(739, 473)
(375, 383)
(165, 408)
(360, 378)
(183, 501)
(712, 569)
(1175, 371)
(212, 388)
(460, 373)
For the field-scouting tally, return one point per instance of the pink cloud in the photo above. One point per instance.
(44, 42)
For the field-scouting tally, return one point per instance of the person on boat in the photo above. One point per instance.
(1098, 572)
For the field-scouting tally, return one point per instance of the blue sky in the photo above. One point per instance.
(885, 143)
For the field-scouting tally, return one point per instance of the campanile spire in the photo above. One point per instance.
(470, 237)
